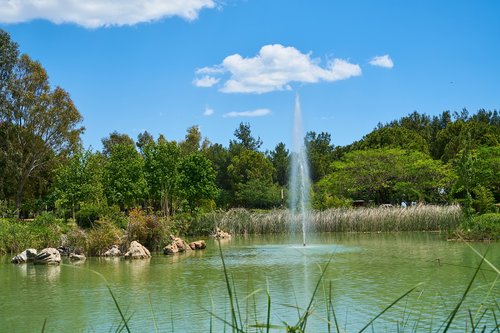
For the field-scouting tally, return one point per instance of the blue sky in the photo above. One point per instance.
(163, 66)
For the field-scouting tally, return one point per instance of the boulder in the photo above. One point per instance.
(64, 250)
(25, 256)
(48, 256)
(114, 251)
(221, 234)
(77, 257)
(170, 249)
(182, 245)
(198, 245)
(137, 251)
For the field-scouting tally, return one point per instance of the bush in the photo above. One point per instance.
(101, 237)
(147, 229)
(16, 236)
(484, 227)
(87, 215)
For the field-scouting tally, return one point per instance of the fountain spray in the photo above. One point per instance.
(299, 177)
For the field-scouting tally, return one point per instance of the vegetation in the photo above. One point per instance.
(418, 218)
(441, 160)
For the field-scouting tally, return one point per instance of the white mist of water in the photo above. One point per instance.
(299, 174)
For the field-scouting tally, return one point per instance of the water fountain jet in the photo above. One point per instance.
(299, 174)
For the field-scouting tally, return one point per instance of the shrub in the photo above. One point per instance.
(16, 236)
(147, 229)
(87, 215)
(484, 227)
(101, 237)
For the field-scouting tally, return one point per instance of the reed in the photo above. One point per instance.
(392, 219)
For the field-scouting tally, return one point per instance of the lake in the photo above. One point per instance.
(179, 293)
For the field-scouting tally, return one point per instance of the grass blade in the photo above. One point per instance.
(454, 312)
(388, 307)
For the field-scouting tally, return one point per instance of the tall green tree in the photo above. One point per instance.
(191, 142)
(252, 173)
(124, 180)
(161, 160)
(114, 139)
(197, 182)
(221, 159)
(244, 139)
(280, 158)
(320, 152)
(40, 125)
(79, 181)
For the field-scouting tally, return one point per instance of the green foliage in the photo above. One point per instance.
(16, 236)
(124, 176)
(385, 176)
(161, 160)
(87, 216)
(79, 181)
(280, 158)
(197, 182)
(181, 223)
(394, 137)
(482, 227)
(192, 140)
(321, 154)
(38, 124)
(245, 140)
(258, 194)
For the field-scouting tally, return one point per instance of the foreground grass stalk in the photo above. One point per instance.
(454, 312)
(388, 307)
(234, 319)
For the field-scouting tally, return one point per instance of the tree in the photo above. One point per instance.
(245, 139)
(394, 137)
(221, 159)
(191, 143)
(79, 181)
(320, 152)
(144, 139)
(161, 160)
(39, 124)
(386, 176)
(197, 181)
(114, 139)
(250, 171)
(280, 158)
(124, 176)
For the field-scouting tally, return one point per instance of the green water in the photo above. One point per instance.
(178, 293)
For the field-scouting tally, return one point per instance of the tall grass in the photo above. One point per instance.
(418, 218)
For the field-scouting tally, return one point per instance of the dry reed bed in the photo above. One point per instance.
(392, 219)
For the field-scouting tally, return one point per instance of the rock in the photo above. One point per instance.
(170, 249)
(182, 245)
(221, 234)
(77, 257)
(198, 245)
(176, 245)
(114, 251)
(64, 250)
(48, 256)
(25, 256)
(137, 251)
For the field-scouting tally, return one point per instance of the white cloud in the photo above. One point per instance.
(206, 81)
(382, 61)
(99, 13)
(254, 113)
(208, 111)
(275, 68)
